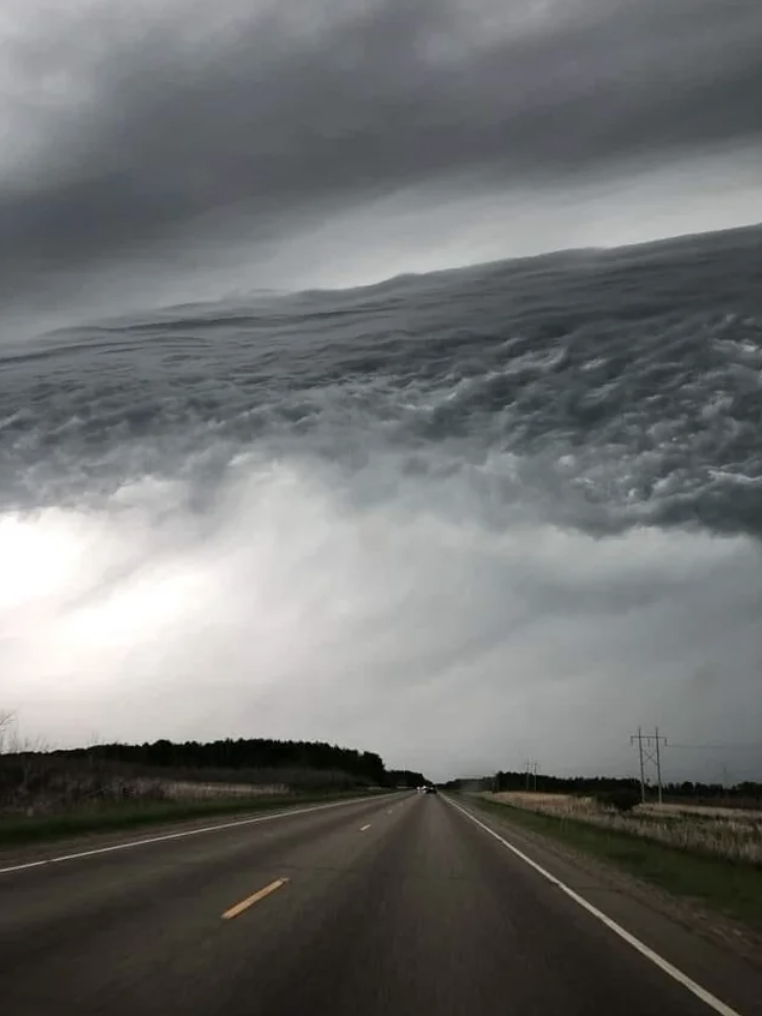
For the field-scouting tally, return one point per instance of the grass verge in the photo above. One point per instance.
(732, 888)
(18, 831)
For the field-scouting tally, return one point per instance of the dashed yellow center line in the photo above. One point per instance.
(364, 828)
(255, 898)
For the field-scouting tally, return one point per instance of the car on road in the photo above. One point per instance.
(429, 790)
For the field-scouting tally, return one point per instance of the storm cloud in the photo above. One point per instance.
(134, 131)
(463, 519)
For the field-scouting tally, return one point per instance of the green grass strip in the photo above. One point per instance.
(20, 830)
(730, 887)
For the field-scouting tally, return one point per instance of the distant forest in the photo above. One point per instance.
(592, 785)
(364, 768)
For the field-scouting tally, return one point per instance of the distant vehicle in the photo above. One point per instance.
(429, 790)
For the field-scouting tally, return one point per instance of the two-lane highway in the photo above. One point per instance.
(397, 905)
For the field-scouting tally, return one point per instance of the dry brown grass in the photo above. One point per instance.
(39, 784)
(733, 834)
(185, 790)
(701, 810)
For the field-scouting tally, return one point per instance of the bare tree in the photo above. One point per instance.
(7, 720)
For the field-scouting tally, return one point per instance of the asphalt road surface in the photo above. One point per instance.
(397, 906)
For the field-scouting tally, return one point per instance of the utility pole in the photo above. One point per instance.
(531, 771)
(639, 737)
(649, 750)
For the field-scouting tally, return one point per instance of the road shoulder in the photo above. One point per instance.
(95, 840)
(724, 957)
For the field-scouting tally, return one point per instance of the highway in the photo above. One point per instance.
(396, 906)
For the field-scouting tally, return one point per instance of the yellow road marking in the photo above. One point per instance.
(250, 900)
(363, 828)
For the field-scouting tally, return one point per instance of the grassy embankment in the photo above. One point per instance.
(21, 829)
(47, 794)
(687, 863)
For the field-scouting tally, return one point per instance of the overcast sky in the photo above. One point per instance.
(310, 604)
(157, 149)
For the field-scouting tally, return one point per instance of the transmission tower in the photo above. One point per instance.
(531, 770)
(649, 752)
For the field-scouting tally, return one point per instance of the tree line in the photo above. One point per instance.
(594, 785)
(365, 767)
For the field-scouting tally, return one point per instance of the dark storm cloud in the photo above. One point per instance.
(151, 128)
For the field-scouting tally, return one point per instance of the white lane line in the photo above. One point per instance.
(687, 982)
(178, 836)
(365, 828)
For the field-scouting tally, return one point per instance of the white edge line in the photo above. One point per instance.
(707, 997)
(181, 835)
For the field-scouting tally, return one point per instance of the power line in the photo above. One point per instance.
(718, 747)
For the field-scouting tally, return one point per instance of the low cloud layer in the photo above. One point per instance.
(172, 132)
(299, 606)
